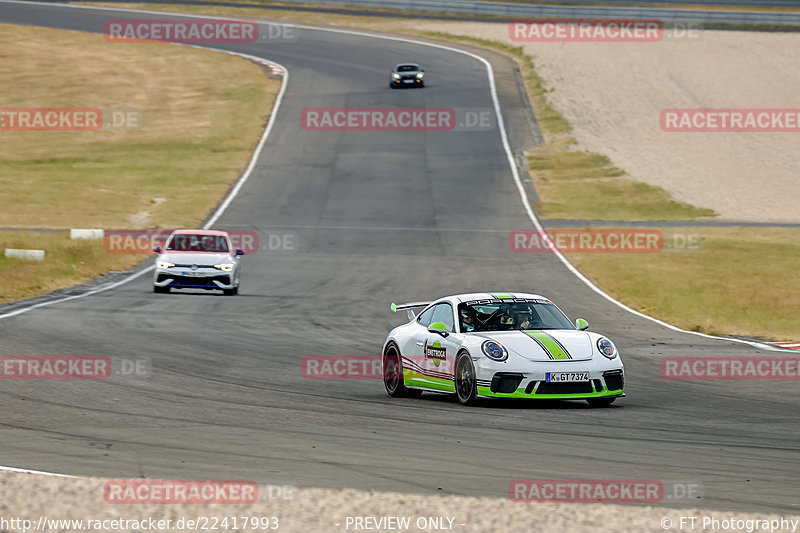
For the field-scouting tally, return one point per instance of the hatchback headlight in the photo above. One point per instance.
(606, 347)
(225, 267)
(395, 75)
(164, 264)
(420, 74)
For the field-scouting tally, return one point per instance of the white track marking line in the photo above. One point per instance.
(26, 471)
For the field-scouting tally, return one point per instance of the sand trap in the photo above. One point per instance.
(613, 94)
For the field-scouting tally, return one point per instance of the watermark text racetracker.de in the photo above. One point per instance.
(196, 31)
(74, 119)
(601, 30)
(72, 367)
(341, 367)
(397, 119)
(730, 120)
(250, 241)
(603, 490)
(716, 368)
(584, 240)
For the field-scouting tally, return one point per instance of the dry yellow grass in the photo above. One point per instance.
(67, 262)
(741, 281)
(202, 113)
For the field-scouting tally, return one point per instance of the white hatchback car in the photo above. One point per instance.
(197, 259)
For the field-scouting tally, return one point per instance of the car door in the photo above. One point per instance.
(440, 350)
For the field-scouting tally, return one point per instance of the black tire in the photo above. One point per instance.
(600, 402)
(393, 375)
(464, 380)
(229, 292)
(392, 85)
(161, 290)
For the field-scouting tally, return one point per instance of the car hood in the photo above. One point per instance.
(545, 345)
(204, 258)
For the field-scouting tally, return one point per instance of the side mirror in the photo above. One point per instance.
(157, 249)
(581, 324)
(440, 328)
(239, 251)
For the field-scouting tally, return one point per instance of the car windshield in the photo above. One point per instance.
(190, 242)
(517, 315)
(407, 68)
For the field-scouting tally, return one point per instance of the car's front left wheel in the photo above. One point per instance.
(161, 290)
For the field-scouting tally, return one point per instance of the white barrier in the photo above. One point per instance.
(33, 255)
(86, 234)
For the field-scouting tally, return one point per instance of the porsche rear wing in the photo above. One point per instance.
(409, 308)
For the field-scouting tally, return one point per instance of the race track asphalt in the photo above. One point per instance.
(379, 217)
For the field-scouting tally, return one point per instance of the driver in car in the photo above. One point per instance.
(527, 319)
(468, 319)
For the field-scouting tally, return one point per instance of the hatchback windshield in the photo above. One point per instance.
(503, 316)
(407, 68)
(190, 242)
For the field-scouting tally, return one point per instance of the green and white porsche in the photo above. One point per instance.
(500, 345)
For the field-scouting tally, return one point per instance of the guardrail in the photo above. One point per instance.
(723, 3)
(520, 10)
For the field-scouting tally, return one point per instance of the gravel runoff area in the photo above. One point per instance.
(613, 95)
(33, 497)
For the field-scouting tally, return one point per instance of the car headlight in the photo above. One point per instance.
(225, 267)
(395, 75)
(494, 351)
(420, 74)
(606, 347)
(164, 264)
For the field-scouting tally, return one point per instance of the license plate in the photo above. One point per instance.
(408, 81)
(193, 274)
(567, 377)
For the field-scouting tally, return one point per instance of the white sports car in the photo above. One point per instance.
(500, 345)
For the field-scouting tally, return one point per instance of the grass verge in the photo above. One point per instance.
(740, 281)
(66, 263)
(201, 115)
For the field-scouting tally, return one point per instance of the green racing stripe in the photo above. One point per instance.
(550, 345)
(502, 295)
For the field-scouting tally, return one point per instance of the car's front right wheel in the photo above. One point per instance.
(161, 290)
(466, 385)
